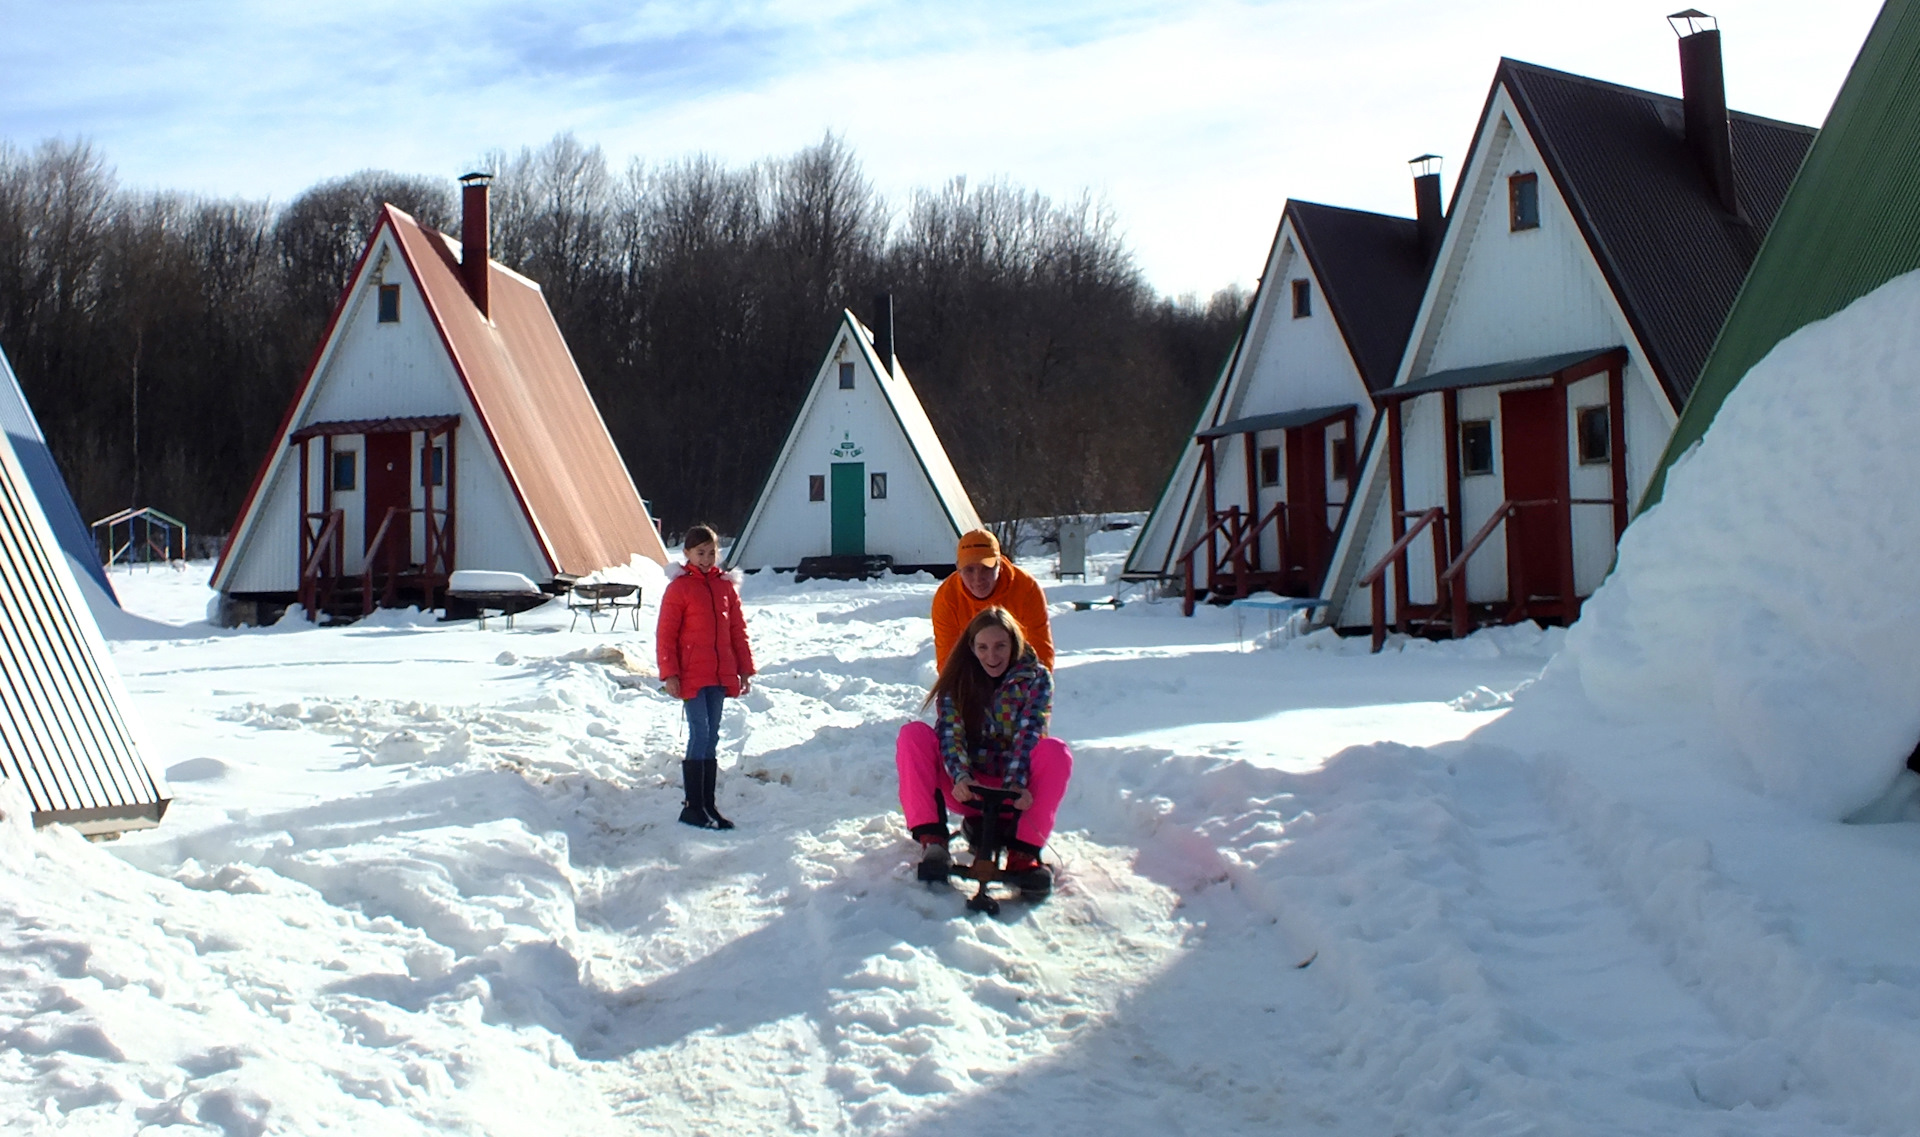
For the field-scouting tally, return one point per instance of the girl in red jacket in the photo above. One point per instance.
(702, 646)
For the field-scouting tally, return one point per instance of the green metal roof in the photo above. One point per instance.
(1279, 420)
(1850, 223)
(1488, 374)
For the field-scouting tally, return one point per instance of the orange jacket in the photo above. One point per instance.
(954, 608)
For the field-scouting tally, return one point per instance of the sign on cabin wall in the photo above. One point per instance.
(847, 448)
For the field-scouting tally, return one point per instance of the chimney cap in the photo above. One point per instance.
(1695, 20)
(476, 176)
(1425, 164)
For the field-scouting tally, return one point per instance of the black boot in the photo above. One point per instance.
(693, 812)
(709, 775)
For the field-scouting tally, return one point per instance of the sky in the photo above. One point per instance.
(1193, 121)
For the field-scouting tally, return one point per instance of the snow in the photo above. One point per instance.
(425, 878)
(1768, 599)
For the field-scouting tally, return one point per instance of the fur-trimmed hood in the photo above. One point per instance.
(678, 569)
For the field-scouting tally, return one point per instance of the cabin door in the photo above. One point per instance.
(1307, 534)
(848, 497)
(1533, 459)
(389, 486)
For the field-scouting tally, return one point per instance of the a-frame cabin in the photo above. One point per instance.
(50, 489)
(1255, 500)
(1597, 237)
(862, 478)
(443, 425)
(66, 735)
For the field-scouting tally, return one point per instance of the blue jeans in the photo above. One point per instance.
(703, 723)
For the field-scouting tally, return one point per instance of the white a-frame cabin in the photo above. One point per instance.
(1597, 237)
(66, 736)
(1254, 502)
(862, 479)
(442, 426)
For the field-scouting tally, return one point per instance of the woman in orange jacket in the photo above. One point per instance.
(701, 644)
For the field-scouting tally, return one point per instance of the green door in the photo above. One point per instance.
(849, 498)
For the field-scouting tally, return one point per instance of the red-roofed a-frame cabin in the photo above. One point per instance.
(443, 425)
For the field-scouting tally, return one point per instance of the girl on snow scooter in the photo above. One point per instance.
(991, 706)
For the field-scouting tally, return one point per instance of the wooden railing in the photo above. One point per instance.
(1242, 535)
(385, 539)
(320, 560)
(1229, 518)
(1434, 519)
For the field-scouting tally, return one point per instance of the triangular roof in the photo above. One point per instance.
(64, 733)
(908, 414)
(1372, 270)
(1672, 256)
(533, 406)
(1850, 223)
(43, 474)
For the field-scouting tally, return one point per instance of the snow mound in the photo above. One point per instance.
(1768, 599)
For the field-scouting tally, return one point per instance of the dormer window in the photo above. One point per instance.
(1523, 202)
(389, 303)
(1302, 299)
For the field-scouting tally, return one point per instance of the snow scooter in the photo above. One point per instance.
(995, 828)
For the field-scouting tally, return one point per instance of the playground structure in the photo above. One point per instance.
(150, 535)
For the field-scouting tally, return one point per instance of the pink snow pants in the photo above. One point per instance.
(922, 774)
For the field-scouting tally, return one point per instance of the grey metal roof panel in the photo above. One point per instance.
(1280, 420)
(63, 733)
(1674, 258)
(1373, 270)
(1506, 371)
(43, 473)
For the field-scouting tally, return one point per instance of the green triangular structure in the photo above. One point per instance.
(1850, 223)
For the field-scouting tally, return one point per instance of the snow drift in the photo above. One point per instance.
(1768, 601)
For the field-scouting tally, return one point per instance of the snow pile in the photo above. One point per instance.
(1767, 604)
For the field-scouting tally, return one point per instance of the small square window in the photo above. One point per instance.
(1269, 465)
(846, 376)
(1302, 299)
(345, 467)
(1476, 447)
(389, 303)
(433, 466)
(816, 487)
(877, 486)
(1596, 436)
(1523, 202)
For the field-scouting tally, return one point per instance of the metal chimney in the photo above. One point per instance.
(1427, 214)
(473, 237)
(1703, 89)
(883, 329)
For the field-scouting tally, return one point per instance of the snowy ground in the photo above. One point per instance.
(423, 878)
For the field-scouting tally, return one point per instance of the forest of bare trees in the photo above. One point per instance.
(159, 336)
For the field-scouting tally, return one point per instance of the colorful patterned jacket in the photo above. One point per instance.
(1016, 721)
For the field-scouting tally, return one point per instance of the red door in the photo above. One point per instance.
(1307, 535)
(389, 486)
(1533, 460)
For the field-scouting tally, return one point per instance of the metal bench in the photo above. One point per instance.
(1280, 611)
(600, 598)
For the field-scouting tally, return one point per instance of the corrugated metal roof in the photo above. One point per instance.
(1279, 420)
(1674, 258)
(1850, 224)
(535, 408)
(1507, 371)
(62, 723)
(1373, 271)
(43, 474)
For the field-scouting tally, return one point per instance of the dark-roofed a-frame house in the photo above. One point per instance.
(1255, 499)
(1597, 237)
(1850, 223)
(66, 736)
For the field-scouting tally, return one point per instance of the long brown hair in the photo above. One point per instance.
(963, 680)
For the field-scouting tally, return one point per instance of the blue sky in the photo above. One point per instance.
(1194, 121)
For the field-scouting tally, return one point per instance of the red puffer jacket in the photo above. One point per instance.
(702, 634)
